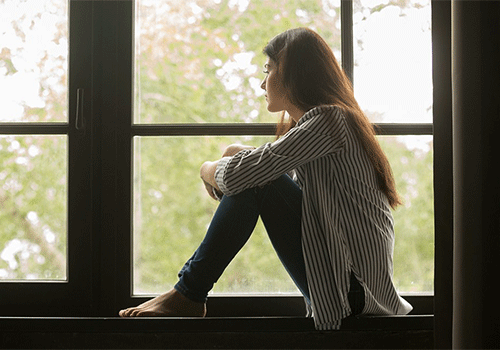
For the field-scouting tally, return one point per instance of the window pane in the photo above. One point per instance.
(33, 60)
(201, 61)
(411, 161)
(172, 212)
(393, 60)
(33, 197)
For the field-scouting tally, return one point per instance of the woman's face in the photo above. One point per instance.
(275, 93)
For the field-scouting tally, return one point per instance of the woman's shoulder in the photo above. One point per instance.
(324, 116)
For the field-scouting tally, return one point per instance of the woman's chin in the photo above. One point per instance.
(273, 109)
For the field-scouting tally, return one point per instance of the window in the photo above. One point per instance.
(393, 84)
(34, 89)
(42, 154)
(214, 57)
(131, 100)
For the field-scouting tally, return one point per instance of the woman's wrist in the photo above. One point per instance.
(207, 173)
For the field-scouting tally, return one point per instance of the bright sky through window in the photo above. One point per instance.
(34, 36)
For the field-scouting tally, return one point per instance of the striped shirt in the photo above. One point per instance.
(347, 223)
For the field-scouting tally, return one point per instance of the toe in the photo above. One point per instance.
(147, 313)
(126, 312)
(135, 313)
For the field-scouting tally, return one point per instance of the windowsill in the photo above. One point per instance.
(254, 305)
(411, 331)
(208, 324)
(233, 322)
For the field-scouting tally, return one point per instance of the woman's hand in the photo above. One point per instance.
(212, 192)
(207, 170)
(207, 174)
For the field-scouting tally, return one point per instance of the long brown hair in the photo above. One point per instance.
(312, 77)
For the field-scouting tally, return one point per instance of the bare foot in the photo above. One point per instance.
(172, 304)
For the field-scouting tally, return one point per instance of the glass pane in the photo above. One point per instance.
(201, 61)
(33, 197)
(33, 60)
(393, 60)
(172, 211)
(411, 161)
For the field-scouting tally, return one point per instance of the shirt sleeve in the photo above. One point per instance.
(317, 134)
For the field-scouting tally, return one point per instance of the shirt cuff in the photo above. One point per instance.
(220, 173)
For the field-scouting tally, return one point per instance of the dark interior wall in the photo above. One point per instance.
(476, 149)
(443, 173)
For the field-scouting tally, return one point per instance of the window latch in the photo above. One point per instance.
(80, 119)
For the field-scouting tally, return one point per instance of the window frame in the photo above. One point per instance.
(100, 172)
(38, 298)
(226, 305)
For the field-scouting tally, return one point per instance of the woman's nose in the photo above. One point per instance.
(263, 84)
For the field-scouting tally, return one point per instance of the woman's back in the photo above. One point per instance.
(347, 224)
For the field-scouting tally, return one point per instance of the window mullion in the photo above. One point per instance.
(112, 154)
(34, 128)
(236, 129)
(347, 40)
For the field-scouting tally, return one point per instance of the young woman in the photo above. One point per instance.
(324, 190)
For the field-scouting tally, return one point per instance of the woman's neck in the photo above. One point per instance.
(295, 113)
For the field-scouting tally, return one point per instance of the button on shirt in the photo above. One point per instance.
(347, 223)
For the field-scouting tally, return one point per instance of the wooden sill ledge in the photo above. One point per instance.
(411, 331)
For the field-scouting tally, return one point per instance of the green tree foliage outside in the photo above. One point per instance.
(33, 199)
(414, 220)
(196, 62)
(33, 169)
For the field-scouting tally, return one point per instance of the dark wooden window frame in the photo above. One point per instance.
(239, 305)
(100, 183)
(28, 298)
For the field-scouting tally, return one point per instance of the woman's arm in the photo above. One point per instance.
(207, 171)
(322, 131)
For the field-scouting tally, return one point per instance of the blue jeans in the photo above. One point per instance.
(279, 204)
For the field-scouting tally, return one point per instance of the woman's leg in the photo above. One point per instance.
(281, 212)
(229, 230)
(234, 221)
(278, 203)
